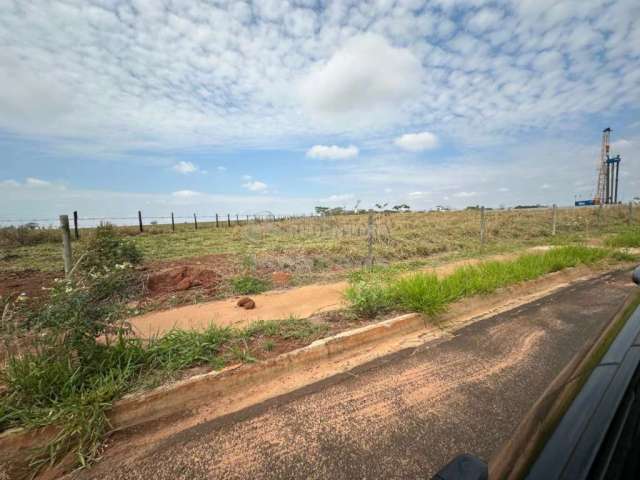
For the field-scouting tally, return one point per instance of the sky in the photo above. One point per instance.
(110, 107)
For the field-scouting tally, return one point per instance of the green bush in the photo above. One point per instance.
(248, 285)
(106, 250)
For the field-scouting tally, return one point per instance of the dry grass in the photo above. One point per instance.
(314, 244)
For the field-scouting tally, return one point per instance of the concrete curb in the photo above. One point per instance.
(144, 407)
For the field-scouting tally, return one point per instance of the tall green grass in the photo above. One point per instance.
(370, 295)
(52, 385)
(629, 238)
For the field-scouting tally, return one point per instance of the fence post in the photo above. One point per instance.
(66, 244)
(555, 219)
(482, 227)
(247, 219)
(630, 213)
(237, 219)
(228, 220)
(217, 224)
(195, 221)
(173, 223)
(75, 224)
(370, 240)
(140, 221)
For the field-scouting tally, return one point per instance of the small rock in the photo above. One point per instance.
(250, 305)
(243, 301)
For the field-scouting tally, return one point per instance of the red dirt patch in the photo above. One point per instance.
(31, 282)
(177, 279)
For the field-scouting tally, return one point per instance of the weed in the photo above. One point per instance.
(268, 345)
(107, 249)
(629, 238)
(247, 285)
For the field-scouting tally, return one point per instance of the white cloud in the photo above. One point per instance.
(503, 189)
(36, 182)
(221, 168)
(185, 168)
(255, 186)
(545, 186)
(247, 177)
(332, 152)
(416, 142)
(185, 194)
(365, 75)
(485, 19)
(418, 194)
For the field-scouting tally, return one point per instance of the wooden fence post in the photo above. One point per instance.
(195, 221)
(140, 221)
(555, 220)
(482, 226)
(75, 224)
(173, 223)
(630, 220)
(66, 244)
(370, 240)
(237, 219)
(217, 224)
(228, 220)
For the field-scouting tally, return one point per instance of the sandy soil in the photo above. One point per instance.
(400, 416)
(301, 302)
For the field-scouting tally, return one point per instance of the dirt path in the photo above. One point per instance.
(401, 416)
(301, 302)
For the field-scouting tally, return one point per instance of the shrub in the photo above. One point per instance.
(106, 250)
(247, 285)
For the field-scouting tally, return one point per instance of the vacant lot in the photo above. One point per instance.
(219, 259)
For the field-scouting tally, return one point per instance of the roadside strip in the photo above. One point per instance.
(212, 395)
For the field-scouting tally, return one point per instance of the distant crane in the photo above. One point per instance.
(608, 175)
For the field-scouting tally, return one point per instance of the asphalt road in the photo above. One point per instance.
(403, 416)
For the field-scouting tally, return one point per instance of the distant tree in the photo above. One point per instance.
(322, 210)
(381, 206)
(401, 208)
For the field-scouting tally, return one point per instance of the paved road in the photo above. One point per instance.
(399, 417)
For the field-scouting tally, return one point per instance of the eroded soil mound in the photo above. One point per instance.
(181, 278)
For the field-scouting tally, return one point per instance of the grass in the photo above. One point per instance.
(248, 285)
(48, 386)
(629, 238)
(376, 293)
(319, 244)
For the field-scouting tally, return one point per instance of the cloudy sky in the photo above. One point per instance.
(107, 107)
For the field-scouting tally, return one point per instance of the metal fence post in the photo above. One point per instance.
(173, 223)
(140, 221)
(75, 224)
(66, 244)
(228, 220)
(195, 221)
(217, 224)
